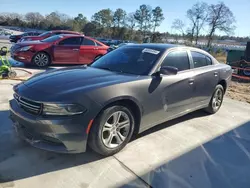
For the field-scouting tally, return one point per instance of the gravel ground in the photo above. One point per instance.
(239, 91)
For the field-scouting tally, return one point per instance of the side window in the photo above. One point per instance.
(209, 61)
(88, 42)
(200, 60)
(71, 41)
(178, 59)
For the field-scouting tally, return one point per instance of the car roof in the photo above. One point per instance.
(166, 46)
(71, 35)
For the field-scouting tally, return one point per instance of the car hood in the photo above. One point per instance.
(76, 78)
(30, 43)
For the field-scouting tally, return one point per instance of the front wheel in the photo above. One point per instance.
(216, 100)
(41, 59)
(112, 130)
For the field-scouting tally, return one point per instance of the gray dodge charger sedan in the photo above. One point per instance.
(125, 92)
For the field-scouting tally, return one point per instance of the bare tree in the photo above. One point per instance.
(221, 18)
(34, 18)
(197, 15)
(178, 25)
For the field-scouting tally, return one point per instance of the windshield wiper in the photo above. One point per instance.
(104, 68)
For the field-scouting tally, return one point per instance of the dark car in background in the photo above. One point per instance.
(59, 49)
(15, 38)
(48, 34)
(127, 91)
(113, 47)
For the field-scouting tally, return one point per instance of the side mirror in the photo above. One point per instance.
(168, 70)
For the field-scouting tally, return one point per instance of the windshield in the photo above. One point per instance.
(52, 39)
(132, 60)
(44, 34)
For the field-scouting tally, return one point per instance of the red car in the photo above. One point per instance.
(59, 49)
(48, 34)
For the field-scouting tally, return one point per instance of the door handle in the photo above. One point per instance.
(191, 81)
(95, 48)
(215, 74)
(75, 49)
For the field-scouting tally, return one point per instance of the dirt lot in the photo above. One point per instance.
(239, 91)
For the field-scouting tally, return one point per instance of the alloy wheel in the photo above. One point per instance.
(217, 99)
(116, 129)
(41, 60)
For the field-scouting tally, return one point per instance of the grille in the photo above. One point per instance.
(28, 105)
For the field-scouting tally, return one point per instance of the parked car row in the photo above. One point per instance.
(58, 47)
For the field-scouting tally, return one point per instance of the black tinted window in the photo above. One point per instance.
(209, 61)
(71, 41)
(178, 59)
(88, 42)
(200, 60)
(133, 60)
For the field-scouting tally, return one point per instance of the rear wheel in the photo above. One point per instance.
(41, 59)
(216, 100)
(111, 130)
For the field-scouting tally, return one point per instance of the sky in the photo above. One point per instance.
(172, 9)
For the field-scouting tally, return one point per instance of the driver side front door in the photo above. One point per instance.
(173, 95)
(67, 51)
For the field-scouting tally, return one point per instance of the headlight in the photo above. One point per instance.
(62, 109)
(26, 48)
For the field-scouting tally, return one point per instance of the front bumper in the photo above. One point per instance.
(24, 57)
(58, 134)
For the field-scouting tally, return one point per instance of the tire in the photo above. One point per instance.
(246, 72)
(216, 101)
(104, 137)
(41, 59)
